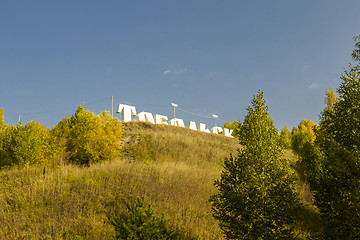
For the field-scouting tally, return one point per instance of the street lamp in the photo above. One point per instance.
(174, 105)
(215, 117)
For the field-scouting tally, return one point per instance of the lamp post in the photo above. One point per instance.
(174, 105)
(215, 117)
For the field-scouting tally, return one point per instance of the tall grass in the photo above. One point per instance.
(71, 202)
(161, 143)
(173, 168)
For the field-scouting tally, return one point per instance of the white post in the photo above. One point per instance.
(112, 106)
(174, 105)
(215, 117)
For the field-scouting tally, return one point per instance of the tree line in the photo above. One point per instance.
(256, 197)
(83, 138)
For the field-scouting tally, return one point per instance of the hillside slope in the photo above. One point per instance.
(162, 143)
(174, 168)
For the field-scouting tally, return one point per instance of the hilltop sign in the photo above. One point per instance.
(129, 111)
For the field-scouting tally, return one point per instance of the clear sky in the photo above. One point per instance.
(209, 57)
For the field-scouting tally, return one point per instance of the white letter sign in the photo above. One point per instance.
(216, 130)
(202, 128)
(177, 122)
(160, 119)
(192, 125)
(145, 117)
(227, 132)
(127, 112)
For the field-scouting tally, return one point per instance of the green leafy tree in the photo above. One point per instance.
(233, 126)
(92, 138)
(310, 164)
(59, 136)
(304, 145)
(285, 138)
(256, 197)
(5, 141)
(2, 137)
(2, 123)
(330, 98)
(338, 193)
(304, 133)
(61, 132)
(356, 53)
(25, 145)
(31, 143)
(306, 139)
(141, 223)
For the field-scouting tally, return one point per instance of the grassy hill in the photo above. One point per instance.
(173, 168)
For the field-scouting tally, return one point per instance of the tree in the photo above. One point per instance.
(31, 143)
(330, 98)
(24, 145)
(59, 136)
(305, 147)
(304, 133)
(285, 138)
(5, 140)
(92, 138)
(256, 197)
(338, 193)
(234, 126)
(356, 53)
(2, 123)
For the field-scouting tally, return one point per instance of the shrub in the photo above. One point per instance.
(24, 145)
(92, 138)
(140, 223)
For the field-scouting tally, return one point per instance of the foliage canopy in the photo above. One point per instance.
(338, 192)
(256, 198)
(92, 138)
(285, 138)
(304, 133)
(24, 145)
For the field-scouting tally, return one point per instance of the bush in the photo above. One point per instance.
(140, 223)
(24, 145)
(92, 138)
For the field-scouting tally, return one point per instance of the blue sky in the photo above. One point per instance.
(209, 57)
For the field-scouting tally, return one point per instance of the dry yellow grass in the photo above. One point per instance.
(70, 202)
(173, 168)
